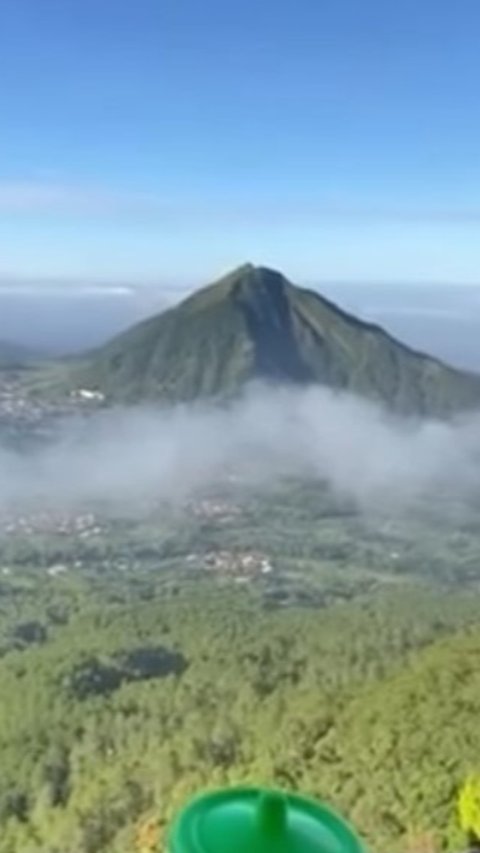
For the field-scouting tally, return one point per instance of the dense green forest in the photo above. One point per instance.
(111, 716)
(263, 638)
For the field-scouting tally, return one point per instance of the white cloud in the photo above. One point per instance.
(121, 456)
(49, 196)
(30, 197)
(63, 289)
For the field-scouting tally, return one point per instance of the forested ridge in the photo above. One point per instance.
(372, 705)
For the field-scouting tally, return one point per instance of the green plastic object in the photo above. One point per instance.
(256, 820)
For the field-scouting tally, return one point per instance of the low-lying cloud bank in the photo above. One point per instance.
(122, 456)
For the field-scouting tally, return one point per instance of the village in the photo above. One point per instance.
(83, 525)
(80, 536)
(20, 408)
(241, 565)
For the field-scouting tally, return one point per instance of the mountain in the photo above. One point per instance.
(254, 324)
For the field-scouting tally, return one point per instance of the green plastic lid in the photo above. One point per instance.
(254, 820)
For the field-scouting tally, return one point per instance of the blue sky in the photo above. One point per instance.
(170, 139)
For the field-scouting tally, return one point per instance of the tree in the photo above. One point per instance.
(469, 808)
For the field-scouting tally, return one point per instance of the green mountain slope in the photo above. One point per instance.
(255, 324)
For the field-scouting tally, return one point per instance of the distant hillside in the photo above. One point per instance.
(14, 355)
(255, 324)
